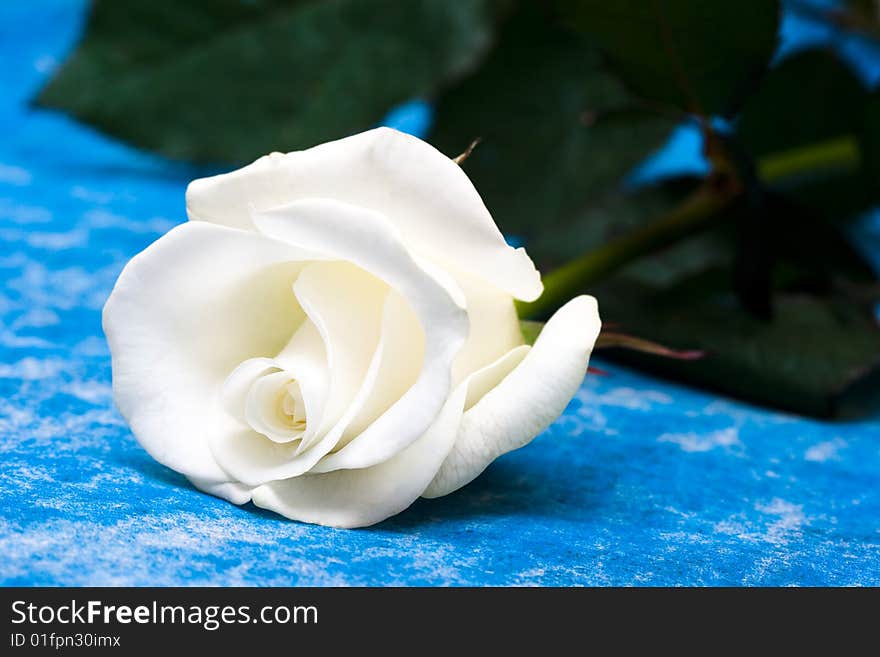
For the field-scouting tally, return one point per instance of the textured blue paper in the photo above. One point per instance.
(640, 482)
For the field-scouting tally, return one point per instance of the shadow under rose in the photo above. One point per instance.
(137, 460)
(506, 488)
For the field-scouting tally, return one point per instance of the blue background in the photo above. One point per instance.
(639, 482)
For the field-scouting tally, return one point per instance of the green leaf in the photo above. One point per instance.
(606, 216)
(812, 129)
(870, 139)
(231, 80)
(558, 132)
(809, 97)
(702, 57)
(820, 289)
(807, 359)
(820, 259)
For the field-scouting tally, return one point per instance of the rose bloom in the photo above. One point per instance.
(333, 334)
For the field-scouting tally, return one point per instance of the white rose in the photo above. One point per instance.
(333, 334)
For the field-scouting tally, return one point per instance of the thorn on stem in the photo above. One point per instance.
(467, 152)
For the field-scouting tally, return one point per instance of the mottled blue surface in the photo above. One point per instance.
(640, 482)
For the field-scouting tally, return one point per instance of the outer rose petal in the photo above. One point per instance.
(528, 400)
(179, 319)
(228, 490)
(494, 327)
(424, 194)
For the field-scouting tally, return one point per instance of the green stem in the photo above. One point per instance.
(697, 212)
(835, 154)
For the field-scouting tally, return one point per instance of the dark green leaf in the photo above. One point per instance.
(813, 352)
(231, 80)
(870, 139)
(809, 254)
(703, 57)
(820, 340)
(810, 97)
(607, 216)
(809, 129)
(557, 131)
(755, 256)
(782, 244)
(867, 6)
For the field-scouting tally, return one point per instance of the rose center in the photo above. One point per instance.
(268, 399)
(292, 407)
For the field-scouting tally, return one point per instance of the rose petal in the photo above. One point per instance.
(344, 303)
(263, 408)
(368, 240)
(357, 498)
(234, 393)
(402, 351)
(423, 193)
(182, 315)
(528, 400)
(494, 326)
(228, 490)
(487, 377)
(305, 357)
